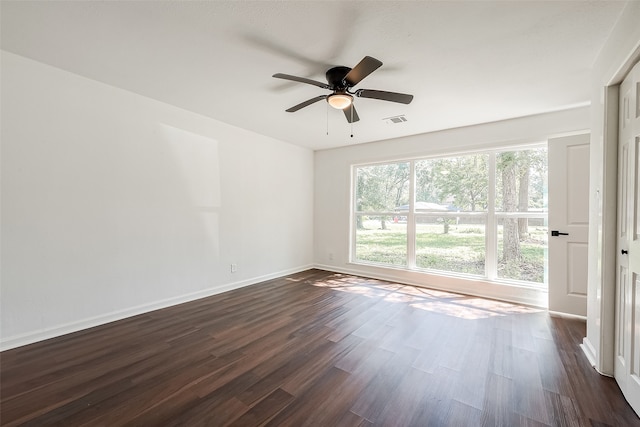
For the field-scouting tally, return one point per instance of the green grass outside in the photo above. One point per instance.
(461, 250)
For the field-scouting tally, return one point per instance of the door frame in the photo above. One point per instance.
(602, 306)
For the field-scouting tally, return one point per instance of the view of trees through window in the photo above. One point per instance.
(481, 214)
(382, 237)
(450, 232)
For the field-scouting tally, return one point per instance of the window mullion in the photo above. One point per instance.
(411, 222)
(491, 231)
(354, 215)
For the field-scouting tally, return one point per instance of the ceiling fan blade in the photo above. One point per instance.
(301, 80)
(305, 103)
(402, 98)
(348, 114)
(365, 67)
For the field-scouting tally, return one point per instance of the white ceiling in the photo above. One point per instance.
(466, 62)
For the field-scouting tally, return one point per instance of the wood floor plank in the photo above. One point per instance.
(321, 349)
(562, 411)
(370, 403)
(499, 402)
(470, 387)
(528, 392)
(349, 419)
(265, 410)
(501, 353)
(279, 371)
(298, 382)
(436, 400)
(402, 406)
(552, 372)
(305, 407)
(461, 415)
(159, 389)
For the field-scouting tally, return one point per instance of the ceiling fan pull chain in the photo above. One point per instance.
(351, 120)
(327, 119)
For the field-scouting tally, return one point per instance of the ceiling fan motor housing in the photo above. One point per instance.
(335, 78)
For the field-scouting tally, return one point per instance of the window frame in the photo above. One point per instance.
(491, 215)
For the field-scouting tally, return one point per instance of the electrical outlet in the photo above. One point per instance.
(234, 268)
(330, 256)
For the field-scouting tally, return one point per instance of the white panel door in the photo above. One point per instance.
(627, 343)
(568, 223)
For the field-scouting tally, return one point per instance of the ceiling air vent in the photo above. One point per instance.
(395, 119)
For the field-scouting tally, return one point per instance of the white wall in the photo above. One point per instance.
(620, 52)
(332, 191)
(114, 204)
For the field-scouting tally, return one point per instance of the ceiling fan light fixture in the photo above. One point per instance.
(340, 101)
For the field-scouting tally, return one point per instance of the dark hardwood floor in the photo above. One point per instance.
(319, 349)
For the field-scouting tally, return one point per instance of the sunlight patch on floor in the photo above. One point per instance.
(441, 302)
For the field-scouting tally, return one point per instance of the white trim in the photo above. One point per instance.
(450, 214)
(411, 218)
(491, 256)
(44, 334)
(609, 232)
(590, 353)
(528, 214)
(567, 315)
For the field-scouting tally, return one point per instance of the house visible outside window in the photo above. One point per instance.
(481, 215)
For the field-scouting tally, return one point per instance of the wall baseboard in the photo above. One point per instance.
(590, 352)
(56, 331)
(567, 315)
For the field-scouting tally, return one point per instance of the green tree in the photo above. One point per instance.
(382, 188)
(507, 165)
(524, 174)
(532, 173)
(461, 181)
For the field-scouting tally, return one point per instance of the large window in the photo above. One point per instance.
(481, 214)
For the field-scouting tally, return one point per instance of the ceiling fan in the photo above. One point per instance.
(340, 81)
